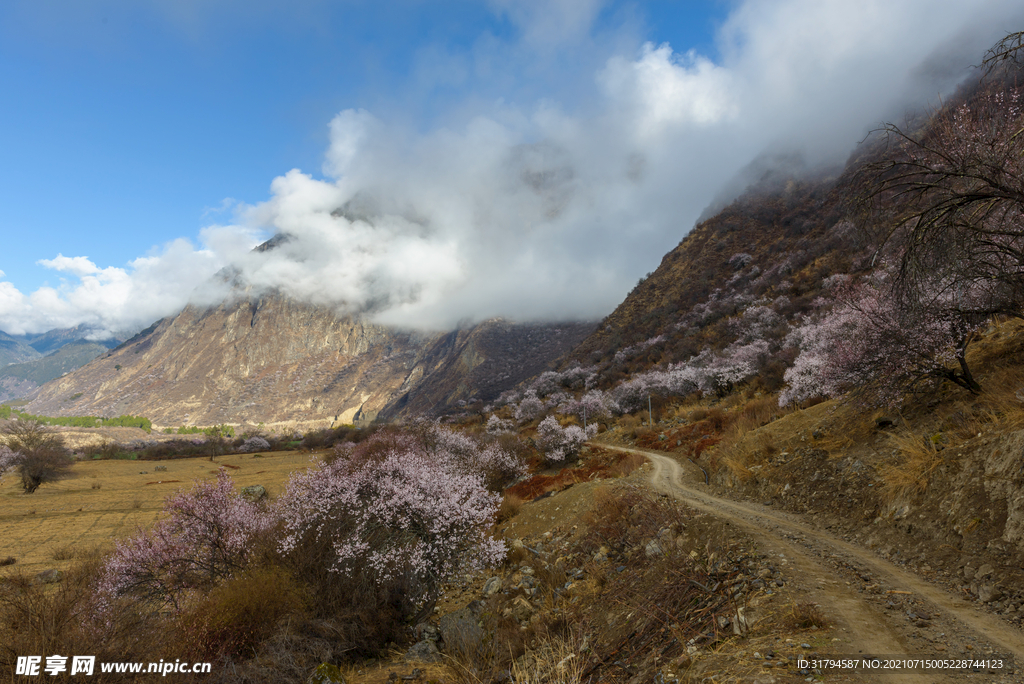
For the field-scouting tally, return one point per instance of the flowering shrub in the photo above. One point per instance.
(740, 259)
(395, 515)
(875, 342)
(530, 408)
(591, 406)
(499, 467)
(498, 426)
(756, 323)
(546, 383)
(494, 464)
(629, 352)
(556, 398)
(8, 458)
(708, 372)
(951, 202)
(254, 444)
(560, 444)
(207, 538)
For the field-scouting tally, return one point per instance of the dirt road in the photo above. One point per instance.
(883, 609)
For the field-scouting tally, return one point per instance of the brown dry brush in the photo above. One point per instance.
(42, 456)
(600, 464)
(666, 607)
(667, 599)
(492, 658)
(46, 619)
(613, 621)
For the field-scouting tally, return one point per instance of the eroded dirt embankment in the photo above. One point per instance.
(961, 525)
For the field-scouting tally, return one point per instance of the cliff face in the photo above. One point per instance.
(282, 362)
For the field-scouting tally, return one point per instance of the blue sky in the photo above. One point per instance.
(151, 142)
(127, 124)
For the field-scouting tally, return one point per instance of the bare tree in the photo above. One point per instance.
(1009, 49)
(950, 200)
(37, 452)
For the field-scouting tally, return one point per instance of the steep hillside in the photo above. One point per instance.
(781, 237)
(274, 360)
(21, 379)
(480, 363)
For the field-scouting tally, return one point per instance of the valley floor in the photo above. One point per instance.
(106, 500)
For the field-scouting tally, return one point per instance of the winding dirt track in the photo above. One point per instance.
(871, 629)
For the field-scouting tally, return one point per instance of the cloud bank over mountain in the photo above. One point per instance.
(551, 208)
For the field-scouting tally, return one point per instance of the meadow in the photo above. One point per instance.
(106, 500)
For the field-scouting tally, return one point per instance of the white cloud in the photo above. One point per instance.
(115, 300)
(554, 213)
(79, 266)
(662, 90)
(553, 209)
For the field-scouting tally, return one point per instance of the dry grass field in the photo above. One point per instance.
(104, 501)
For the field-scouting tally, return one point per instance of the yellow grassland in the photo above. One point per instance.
(104, 501)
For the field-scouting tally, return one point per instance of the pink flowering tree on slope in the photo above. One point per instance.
(530, 408)
(590, 406)
(207, 537)
(395, 514)
(876, 343)
(492, 462)
(950, 207)
(560, 444)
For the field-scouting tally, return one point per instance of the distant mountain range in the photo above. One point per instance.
(28, 361)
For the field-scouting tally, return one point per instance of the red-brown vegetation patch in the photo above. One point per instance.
(599, 464)
(542, 484)
(692, 439)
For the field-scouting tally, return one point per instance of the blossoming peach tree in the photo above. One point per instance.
(407, 511)
(207, 536)
(395, 514)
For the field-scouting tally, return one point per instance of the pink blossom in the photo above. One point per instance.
(530, 408)
(560, 444)
(8, 458)
(393, 511)
(206, 538)
(873, 341)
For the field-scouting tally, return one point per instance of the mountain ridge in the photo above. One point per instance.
(274, 360)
